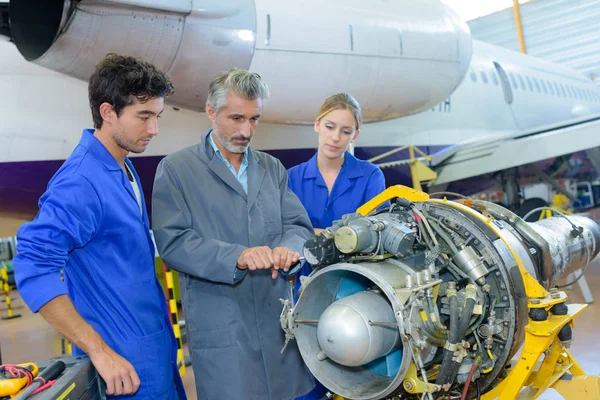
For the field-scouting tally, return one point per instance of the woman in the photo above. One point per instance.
(334, 182)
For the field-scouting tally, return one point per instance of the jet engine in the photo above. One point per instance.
(428, 296)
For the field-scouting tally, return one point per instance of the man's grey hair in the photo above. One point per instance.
(245, 84)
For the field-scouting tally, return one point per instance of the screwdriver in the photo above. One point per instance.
(51, 372)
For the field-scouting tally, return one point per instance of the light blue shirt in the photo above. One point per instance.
(242, 174)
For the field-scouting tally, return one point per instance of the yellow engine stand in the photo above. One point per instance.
(558, 371)
(525, 380)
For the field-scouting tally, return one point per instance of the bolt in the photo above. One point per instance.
(555, 295)
(497, 273)
(535, 301)
(408, 385)
(504, 298)
(505, 323)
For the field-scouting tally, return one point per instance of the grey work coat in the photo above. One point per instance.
(202, 221)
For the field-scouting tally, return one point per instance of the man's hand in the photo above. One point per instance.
(256, 258)
(284, 258)
(117, 372)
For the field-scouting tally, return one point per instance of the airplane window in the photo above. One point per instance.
(550, 87)
(529, 85)
(543, 86)
(521, 82)
(556, 89)
(568, 90)
(537, 85)
(473, 76)
(513, 81)
(494, 78)
(563, 91)
(484, 77)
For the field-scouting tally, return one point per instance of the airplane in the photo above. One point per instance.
(413, 66)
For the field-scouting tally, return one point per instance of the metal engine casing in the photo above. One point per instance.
(484, 246)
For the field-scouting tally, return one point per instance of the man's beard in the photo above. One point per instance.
(234, 148)
(130, 147)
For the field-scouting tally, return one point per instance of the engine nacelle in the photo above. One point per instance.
(450, 294)
(396, 58)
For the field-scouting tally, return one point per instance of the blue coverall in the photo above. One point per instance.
(90, 226)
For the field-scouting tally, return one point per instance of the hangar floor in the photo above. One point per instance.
(30, 338)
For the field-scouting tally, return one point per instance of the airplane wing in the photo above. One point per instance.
(508, 150)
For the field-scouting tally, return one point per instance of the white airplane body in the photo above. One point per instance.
(414, 69)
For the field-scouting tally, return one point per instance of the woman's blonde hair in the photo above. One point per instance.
(342, 101)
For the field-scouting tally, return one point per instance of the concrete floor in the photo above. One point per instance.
(30, 338)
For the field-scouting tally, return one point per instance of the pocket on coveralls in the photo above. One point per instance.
(153, 363)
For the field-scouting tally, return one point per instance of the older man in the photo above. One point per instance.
(224, 217)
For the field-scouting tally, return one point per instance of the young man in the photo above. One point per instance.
(92, 225)
(224, 217)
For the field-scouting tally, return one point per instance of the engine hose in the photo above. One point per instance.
(433, 326)
(444, 236)
(447, 360)
(481, 317)
(432, 335)
(465, 319)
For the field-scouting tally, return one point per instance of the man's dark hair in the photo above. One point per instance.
(118, 79)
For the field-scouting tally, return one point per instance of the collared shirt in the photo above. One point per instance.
(242, 174)
(358, 182)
